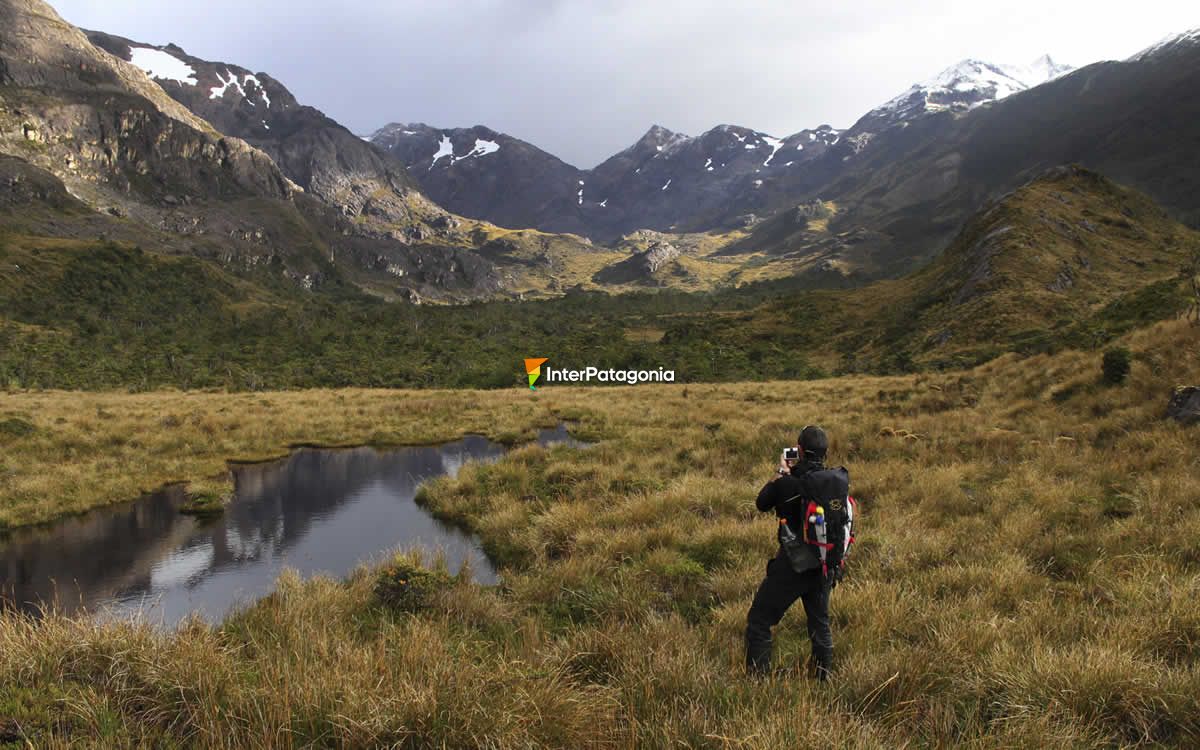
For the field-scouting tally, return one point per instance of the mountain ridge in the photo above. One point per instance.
(624, 182)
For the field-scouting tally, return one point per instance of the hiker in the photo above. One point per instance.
(816, 515)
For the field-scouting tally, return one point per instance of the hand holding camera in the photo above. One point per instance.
(787, 459)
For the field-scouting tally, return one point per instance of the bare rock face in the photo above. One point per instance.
(104, 128)
(658, 255)
(1184, 405)
(644, 267)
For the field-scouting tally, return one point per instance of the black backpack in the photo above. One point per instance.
(826, 514)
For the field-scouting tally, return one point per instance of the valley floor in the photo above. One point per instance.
(1027, 575)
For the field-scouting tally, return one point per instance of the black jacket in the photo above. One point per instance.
(789, 496)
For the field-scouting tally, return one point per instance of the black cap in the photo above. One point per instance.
(814, 442)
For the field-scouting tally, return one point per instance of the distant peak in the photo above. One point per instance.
(659, 133)
(1190, 37)
(969, 83)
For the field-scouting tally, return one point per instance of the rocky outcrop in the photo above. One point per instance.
(1184, 405)
(658, 255)
(643, 267)
(22, 184)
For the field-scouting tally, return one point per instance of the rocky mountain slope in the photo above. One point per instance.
(346, 213)
(228, 166)
(317, 153)
(154, 173)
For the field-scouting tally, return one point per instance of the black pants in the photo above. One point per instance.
(778, 591)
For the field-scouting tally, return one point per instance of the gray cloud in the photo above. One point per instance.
(584, 79)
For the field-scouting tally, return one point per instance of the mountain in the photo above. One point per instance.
(487, 175)
(666, 180)
(314, 151)
(909, 186)
(76, 122)
(1067, 259)
(94, 148)
(182, 155)
(963, 87)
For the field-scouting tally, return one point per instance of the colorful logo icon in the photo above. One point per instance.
(533, 367)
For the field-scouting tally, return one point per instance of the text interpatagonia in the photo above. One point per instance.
(589, 374)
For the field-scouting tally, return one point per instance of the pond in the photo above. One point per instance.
(318, 511)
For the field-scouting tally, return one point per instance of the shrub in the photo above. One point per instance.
(406, 587)
(16, 427)
(1116, 365)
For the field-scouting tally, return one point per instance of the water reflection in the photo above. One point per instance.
(318, 511)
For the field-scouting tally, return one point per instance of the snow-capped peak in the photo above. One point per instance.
(1189, 37)
(968, 84)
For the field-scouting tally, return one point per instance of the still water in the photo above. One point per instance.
(317, 511)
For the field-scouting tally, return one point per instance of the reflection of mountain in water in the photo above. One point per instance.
(316, 511)
(101, 550)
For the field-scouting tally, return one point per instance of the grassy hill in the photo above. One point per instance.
(1026, 570)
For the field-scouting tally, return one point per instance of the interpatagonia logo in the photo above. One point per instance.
(533, 368)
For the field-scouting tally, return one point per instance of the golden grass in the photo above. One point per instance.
(1027, 573)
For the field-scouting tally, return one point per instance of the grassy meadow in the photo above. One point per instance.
(1028, 572)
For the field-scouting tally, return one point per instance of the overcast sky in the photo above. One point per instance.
(583, 80)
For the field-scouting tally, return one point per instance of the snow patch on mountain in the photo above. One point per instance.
(216, 92)
(163, 65)
(482, 148)
(445, 148)
(775, 145)
(249, 79)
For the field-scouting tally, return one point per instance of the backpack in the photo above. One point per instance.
(827, 527)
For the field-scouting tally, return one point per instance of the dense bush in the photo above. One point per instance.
(1116, 365)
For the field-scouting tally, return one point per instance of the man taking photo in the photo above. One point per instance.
(816, 519)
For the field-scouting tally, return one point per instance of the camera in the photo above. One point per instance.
(791, 454)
